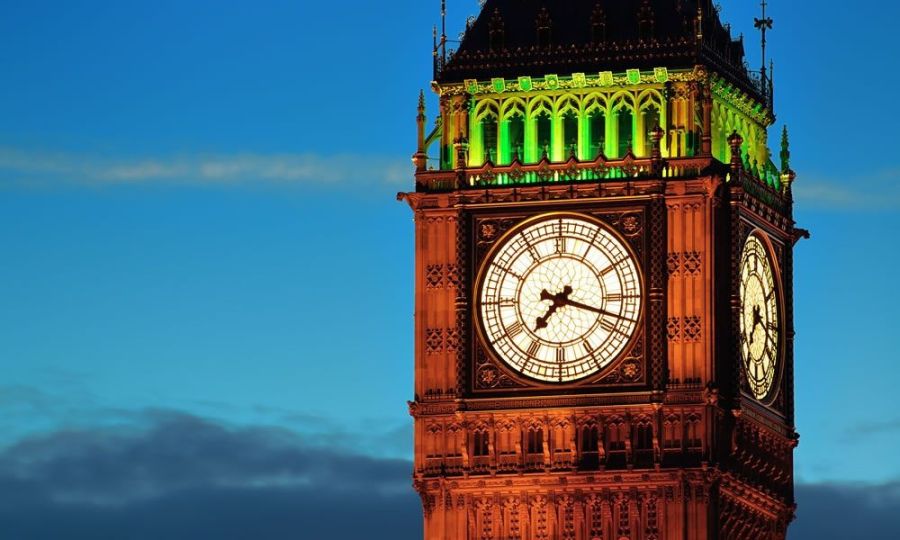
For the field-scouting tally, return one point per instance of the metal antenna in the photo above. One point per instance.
(764, 24)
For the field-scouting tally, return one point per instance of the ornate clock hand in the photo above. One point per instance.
(559, 300)
(542, 321)
(757, 321)
(597, 310)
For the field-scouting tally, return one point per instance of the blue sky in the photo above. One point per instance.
(198, 228)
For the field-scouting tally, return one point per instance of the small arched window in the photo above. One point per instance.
(535, 441)
(480, 446)
(644, 436)
(505, 441)
(616, 437)
(673, 433)
(694, 440)
(589, 439)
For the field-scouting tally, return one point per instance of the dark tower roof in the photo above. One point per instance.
(536, 37)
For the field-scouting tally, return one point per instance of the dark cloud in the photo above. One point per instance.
(840, 511)
(177, 477)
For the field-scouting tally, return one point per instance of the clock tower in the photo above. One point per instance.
(603, 320)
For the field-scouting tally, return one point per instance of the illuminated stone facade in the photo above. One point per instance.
(665, 148)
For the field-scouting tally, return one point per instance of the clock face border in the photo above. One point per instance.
(635, 348)
(771, 397)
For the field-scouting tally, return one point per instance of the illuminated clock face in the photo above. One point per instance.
(560, 298)
(759, 322)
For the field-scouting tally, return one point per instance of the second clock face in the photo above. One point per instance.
(560, 298)
(759, 321)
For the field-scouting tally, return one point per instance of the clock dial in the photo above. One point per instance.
(560, 298)
(759, 321)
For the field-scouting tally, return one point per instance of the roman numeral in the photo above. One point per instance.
(531, 249)
(617, 297)
(515, 329)
(612, 267)
(561, 244)
(608, 269)
(534, 348)
(561, 355)
(587, 347)
(509, 272)
(607, 325)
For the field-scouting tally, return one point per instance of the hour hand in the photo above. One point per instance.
(559, 300)
(757, 321)
(542, 321)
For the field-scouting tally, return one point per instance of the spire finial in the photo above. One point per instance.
(764, 24)
(420, 158)
(785, 151)
(771, 85)
(444, 31)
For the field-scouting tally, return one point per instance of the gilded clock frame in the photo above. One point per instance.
(769, 400)
(639, 353)
(500, 243)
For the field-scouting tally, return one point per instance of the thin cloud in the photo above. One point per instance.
(875, 428)
(879, 191)
(21, 167)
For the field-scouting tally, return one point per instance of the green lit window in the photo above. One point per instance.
(517, 137)
(626, 131)
(489, 136)
(598, 133)
(570, 133)
(651, 121)
(544, 133)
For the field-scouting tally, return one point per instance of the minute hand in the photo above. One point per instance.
(586, 307)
